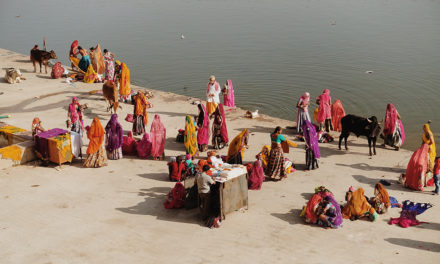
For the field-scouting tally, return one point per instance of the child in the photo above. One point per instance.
(436, 174)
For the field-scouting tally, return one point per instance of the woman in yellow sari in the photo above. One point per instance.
(140, 116)
(237, 147)
(190, 139)
(124, 85)
(428, 138)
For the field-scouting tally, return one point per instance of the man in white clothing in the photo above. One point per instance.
(212, 95)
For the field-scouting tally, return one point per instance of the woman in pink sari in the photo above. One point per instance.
(324, 116)
(393, 133)
(228, 94)
(158, 136)
(75, 114)
(202, 128)
(144, 146)
(303, 111)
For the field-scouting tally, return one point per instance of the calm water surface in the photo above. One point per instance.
(272, 50)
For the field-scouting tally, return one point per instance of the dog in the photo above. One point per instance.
(42, 57)
(13, 75)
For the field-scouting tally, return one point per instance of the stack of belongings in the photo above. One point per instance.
(15, 144)
(54, 145)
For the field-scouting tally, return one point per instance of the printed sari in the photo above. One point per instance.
(237, 147)
(190, 139)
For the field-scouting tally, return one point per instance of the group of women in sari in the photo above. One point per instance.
(322, 208)
(327, 115)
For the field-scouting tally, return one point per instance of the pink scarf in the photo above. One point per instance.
(229, 98)
(158, 136)
(305, 98)
(324, 109)
(203, 132)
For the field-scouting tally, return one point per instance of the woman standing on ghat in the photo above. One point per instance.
(275, 167)
(324, 116)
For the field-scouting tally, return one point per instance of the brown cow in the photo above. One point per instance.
(111, 95)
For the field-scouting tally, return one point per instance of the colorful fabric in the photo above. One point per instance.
(124, 86)
(432, 151)
(256, 176)
(98, 60)
(11, 129)
(57, 71)
(73, 48)
(41, 141)
(176, 169)
(382, 194)
(324, 109)
(338, 113)
(129, 145)
(203, 122)
(84, 63)
(390, 120)
(416, 169)
(90, 75)
(109, 66)
(275, 166)
(311, 138)
(219, 128)
(12, 152)
(95, 134)
(302, 111)
(408, 214)
(144, 147)
(237, 147)
(265, 154)
(158, 134)
(176, 198)
(229, 97)
(141, 106)
(357, 206)
(97, 159)
(211, 107)
(311, 206)
(63, 145)
(190, 139)
(75, 61)
(114, 134)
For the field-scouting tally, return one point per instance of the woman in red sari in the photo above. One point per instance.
(393, 133)
(219, 130)
(338, 113)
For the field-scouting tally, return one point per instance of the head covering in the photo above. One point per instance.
(311, 138)
(35, 121)
(237, 144)
(338, 113)
(265, 154)
(305, 97)
(203, 132)
(229, 97)
(383, 194)
(357, 206)
(114, 133)
(144, 146)
(118, 62)
(95, 134)
(390, 120)
(190, 139)
(158, 137)
(124, 87)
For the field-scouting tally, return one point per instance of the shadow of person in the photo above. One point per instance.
(154, 199)
(395, 185)
(367, 167)
(155, 176)
(292, 217)
(416, 244)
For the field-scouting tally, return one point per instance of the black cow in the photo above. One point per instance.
(42, 57)
(360, 126)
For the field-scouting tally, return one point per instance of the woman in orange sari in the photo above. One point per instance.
(140, 116)
(96, 151)
(338, 113)
(381, 200)
(237, 147)
(357, 206)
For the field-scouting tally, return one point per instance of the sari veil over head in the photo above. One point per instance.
(338, 113)
(190, 139)
(114, 133)
(432, 149)
(223, 129)
(324, 109)
(229, 98)
(158, 137)
(311, 138)
(236, 145)
(95, 136)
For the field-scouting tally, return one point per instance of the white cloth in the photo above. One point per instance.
(213, 93)
(75, 143)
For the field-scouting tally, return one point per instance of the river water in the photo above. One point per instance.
(273, 50)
